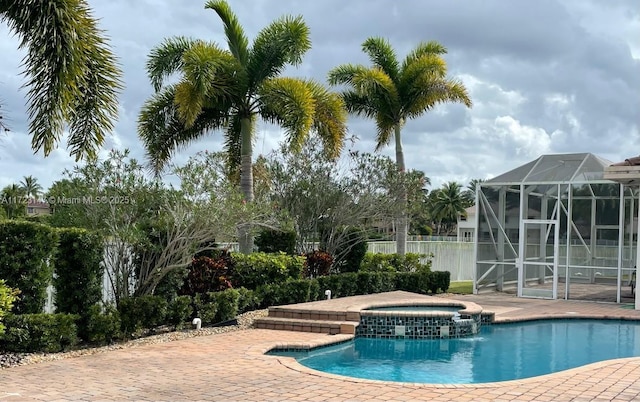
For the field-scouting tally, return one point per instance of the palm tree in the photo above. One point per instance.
(470, 192)
(13, 201)
(31, 187)
(447, 204)
(230, 89)
(391, 93)
(72, 76)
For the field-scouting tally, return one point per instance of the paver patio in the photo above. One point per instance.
(232, 366)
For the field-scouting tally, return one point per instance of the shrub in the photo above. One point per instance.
(79, 273)
(352, 250)
(248, 300)
(25, 249)
(7, 297)
(227, 303)
(441, 280)
(180, 311)
(417, 282)
(144, 312)
(205, 308)
(274, 241)
(48, 333)
(394, 263)
(208, 274)
(258, 269)
(317, 263)
(171, 284)
(102, 326)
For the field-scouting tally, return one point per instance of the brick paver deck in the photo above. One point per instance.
(232, 366)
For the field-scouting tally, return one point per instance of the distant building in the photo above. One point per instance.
(36, 208)
(467, 225)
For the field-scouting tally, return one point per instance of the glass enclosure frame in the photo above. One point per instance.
(593, 220)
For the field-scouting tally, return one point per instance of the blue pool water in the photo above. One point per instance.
(417, 308)
(498, 353)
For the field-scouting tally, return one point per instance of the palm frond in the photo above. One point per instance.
(330, 119)
(430, 93)
(166, 59)
(382, 56)
(279, 44)
(209, 73)
(236, 39)
(72, 74)
(162, 131)
(358, 104)
(424, 48)
(288, 102)
(384, 130)
(345, 73)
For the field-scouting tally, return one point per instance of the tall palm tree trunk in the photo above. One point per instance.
(402, 226)
(245, 238)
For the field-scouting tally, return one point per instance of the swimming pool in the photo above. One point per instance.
(498, 353)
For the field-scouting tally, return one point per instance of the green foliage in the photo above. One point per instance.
(274, 241)
(79, 273)
(351, 252)
(441, 281)
(47, 333)
(144, 312)
(7, 297)
(102, 327)
(410, 262)
(180, 311)
(227, 302)
(351, 284)
(317, 263)
(72, 75)
(25, 249)
(205, 308)
(248, 300)
(13, 199)
(258, 269)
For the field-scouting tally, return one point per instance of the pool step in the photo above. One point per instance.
(306, 325)
(287, 312)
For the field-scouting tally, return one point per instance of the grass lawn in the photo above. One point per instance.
(461, 288)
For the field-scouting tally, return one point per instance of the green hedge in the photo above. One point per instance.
(7, 298)
(25, 248)
(410, 262)
(273, 241)
(144, 312)
(79, 273)
(351, 284)
(257, 269)
(39, 333)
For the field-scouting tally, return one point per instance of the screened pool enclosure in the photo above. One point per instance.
(555, 228)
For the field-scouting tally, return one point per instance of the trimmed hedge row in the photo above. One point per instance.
(56, 332)
(351, 284)
(25, 249)
(29, 254)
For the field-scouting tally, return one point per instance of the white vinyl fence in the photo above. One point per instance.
(455, 257)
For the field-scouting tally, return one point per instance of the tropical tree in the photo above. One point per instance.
(230, 89)
(391, 93)
(14, 201)
(71, 73)
(470, 192)
(447, 203)
(31, 187)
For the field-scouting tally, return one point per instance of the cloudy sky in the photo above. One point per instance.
(546, 76)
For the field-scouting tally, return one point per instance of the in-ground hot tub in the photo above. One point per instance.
(420, 321)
